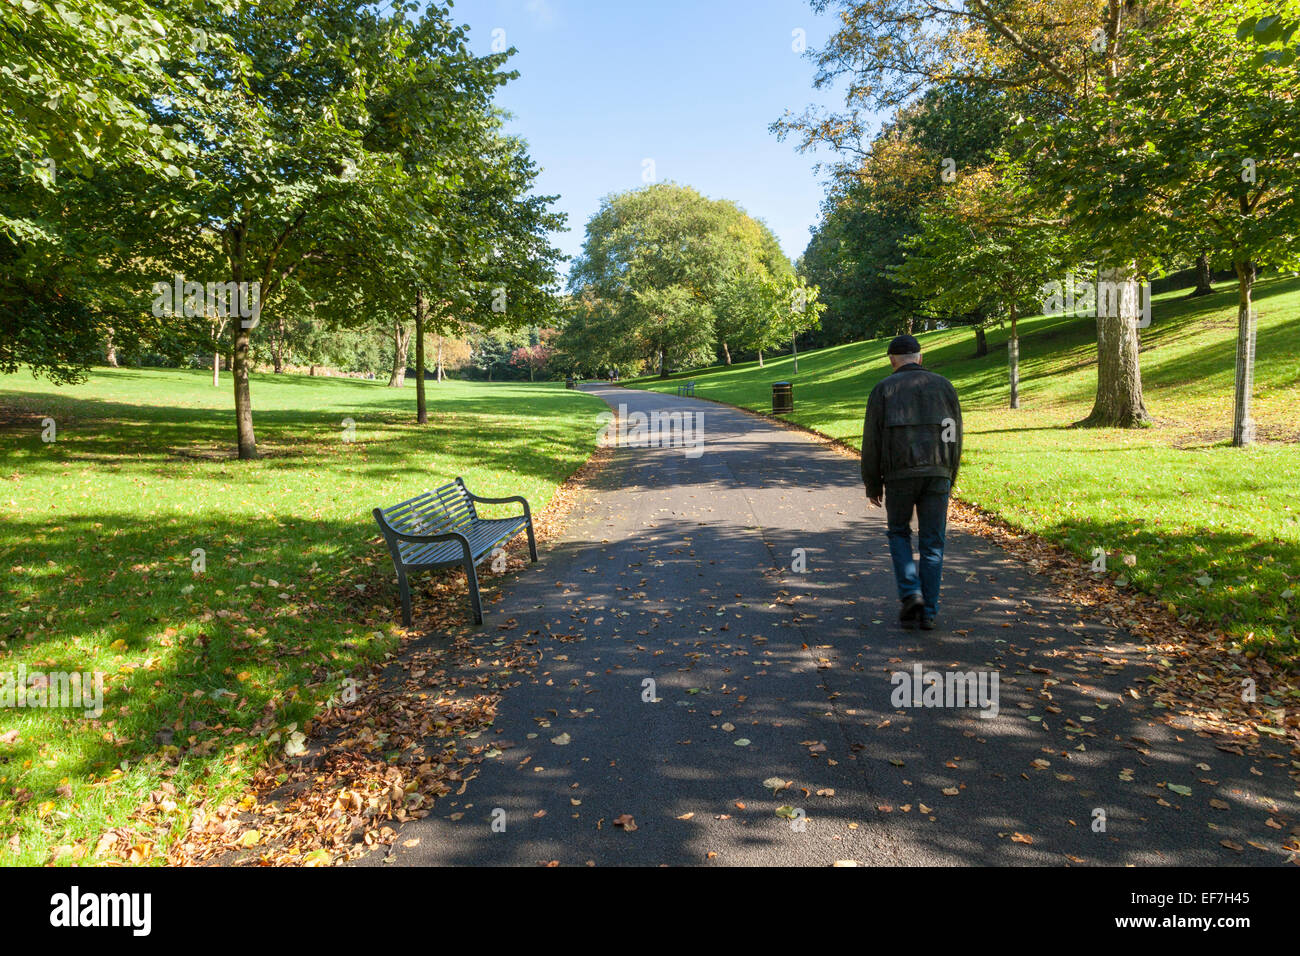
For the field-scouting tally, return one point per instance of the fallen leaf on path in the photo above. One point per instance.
(776, 784)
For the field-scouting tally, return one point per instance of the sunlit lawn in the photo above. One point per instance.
(102, 528)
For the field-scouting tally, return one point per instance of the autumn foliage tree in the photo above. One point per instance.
(532, 357)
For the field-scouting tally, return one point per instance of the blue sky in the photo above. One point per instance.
(606, 84)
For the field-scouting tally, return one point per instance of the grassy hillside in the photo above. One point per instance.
(205, 671)
(1215, 530)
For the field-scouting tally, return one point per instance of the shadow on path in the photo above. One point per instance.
(679, 571)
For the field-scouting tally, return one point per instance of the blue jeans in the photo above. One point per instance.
(929, 498)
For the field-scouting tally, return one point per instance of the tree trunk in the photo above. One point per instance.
(421, 409)
(401, 342)
(277, 347)
(216, 369)
(1203, 284)
(111, 349)
(1119, 401)
(794, 351)
(981, 342)
(1243, 426)
(663, 363)
(760, 358)
(243, 398)
(1013, 358)
(438, 365)
(726, 352)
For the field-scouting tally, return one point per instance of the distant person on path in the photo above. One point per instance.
(911, 448)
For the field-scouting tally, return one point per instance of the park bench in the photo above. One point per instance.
(686, 389)
(442, 529)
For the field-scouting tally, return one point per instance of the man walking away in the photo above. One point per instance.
(911, 448)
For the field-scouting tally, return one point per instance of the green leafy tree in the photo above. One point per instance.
(80, 149)
(874, 203)
(658, 277)
(980, 246)
(1199, 146)
(329, 152)
(653, 256)
(74, 76)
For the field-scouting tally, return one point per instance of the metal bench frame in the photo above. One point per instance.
(442, 529)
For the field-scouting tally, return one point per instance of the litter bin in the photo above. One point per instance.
(782, 398)
(568, 382)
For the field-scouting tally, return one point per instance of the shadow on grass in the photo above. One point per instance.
(199, 666)
(385, 440)
(1230, 580)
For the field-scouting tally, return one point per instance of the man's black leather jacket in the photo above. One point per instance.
(912, 429)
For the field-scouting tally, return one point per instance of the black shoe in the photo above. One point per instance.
(911, 611)
(927, 621)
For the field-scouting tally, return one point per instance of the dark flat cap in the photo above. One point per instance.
(904, 345)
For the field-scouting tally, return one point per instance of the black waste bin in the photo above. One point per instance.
(568, 382)
(782, 398)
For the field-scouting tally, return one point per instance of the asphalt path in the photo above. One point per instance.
(749, 580)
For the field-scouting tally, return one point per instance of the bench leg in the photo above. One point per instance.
(532, 542)
(471, 578)
(405, 588)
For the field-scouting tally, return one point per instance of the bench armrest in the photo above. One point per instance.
(500, 501)
(520, 499)
(392, 535)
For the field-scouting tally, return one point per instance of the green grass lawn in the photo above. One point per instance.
(98, 540)
(1215, 530)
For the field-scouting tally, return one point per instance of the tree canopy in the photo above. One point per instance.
(667, 277)
(309, 157)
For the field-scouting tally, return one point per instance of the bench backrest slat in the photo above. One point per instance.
(433, 512)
